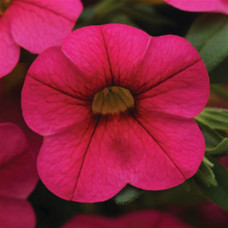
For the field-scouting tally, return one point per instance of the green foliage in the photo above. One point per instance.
(220, 90)
(219, 193)
(209, 34)
(127, 12)
(220, 73)
(205, 173)
(214, 118)
(212, 137)
(127, 195)
(212, 177)
(220, 149)
(214, 125)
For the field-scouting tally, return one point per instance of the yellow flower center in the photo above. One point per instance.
(4, 4)
(112, 100)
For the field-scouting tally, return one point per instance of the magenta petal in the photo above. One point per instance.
(93, 163)
(17, 164)
(49, 91)
(12, 141)
(86, 48)
(16, 213)
(220, 6)
(115, 51)
(9, 50)
(183, 95)
(180, 145)
(172, 78)
(76, 165)
(125, 47)
(39, 24)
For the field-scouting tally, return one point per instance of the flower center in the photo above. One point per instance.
(112, 100)
(4, 4)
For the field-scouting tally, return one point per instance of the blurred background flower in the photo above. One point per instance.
(18, 178)
(34, 25)
(145, 219)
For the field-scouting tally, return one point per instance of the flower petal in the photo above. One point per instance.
(113, 50)
(16, 213)
(39, 24)
(172, 78)
(86, 49)
(50, 97)
(125, 47)
(180, 140)
(12, 141)
(68, 172)
(220, 6)
(94, 163)
(17, 164)
(9, 50)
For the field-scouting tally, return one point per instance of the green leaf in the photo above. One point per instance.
(145, 14)
(220, 90)
(127, 195)
(185, 194)
(217, 194)
(205, 173)
(216, 143)
(108, 6)
(212, 137)
(220, 149)
(209, 34)
(214, 118)
(123, 19)
(220, 73)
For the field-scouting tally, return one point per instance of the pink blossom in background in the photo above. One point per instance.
(11, 112)
(34, 25)
(115, 106)
(213, 215)
(224, 161)
(18, 178)
(144, 219)
(219, 6)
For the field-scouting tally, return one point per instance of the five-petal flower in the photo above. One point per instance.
(150, 142)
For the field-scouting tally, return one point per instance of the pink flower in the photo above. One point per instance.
(144, 219)
(116, 106)
(18, 178)
(219, 218)
(34, 25)
(220, 6)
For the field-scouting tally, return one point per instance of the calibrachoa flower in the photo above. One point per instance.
(116, 106)
(145, 219)
(220, 6)
(18, 178)
(34, 25)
